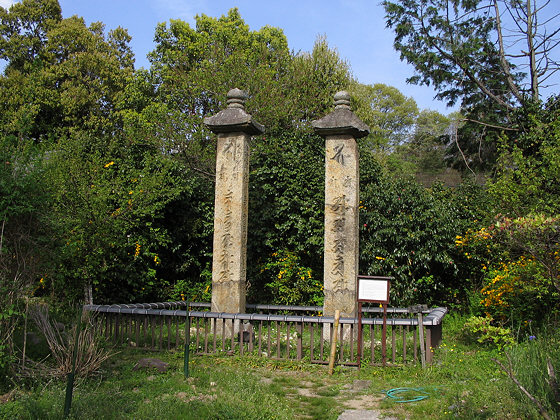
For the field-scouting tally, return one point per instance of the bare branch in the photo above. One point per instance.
(499, 127)
(456, 138)
(503, 62)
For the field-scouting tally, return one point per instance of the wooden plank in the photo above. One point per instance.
(277, 340)
(250, 350)
(197, 327)
(152, 331)
(311, 341)
(268, 339)
(351, 342)
(232, 336)
(393, 343)
(259, 351)
(137, 328)
(168, 333)
(223, 330)
(214, 335)
(341, 340)
(241, 343)
(145, 330)
(287, 340)
(177, 321)
(161, 332)
(299, 332)
(372, 336)
(206, 327)
(404, 331)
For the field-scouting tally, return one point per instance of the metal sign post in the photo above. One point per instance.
(373, 289)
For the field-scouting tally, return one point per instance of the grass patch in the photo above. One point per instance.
(463, 382)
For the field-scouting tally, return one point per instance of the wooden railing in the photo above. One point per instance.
(275, 336)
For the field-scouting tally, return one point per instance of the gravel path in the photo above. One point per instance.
(363, 415)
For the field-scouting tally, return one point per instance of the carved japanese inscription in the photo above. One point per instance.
(341, 224)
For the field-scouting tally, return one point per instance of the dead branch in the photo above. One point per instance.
(509, 372)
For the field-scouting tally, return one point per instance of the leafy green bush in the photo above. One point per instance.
(286, 207)
(529, 166)
(481, 329)
(292, 283)
(408, 232)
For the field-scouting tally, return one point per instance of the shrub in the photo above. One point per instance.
(519, 261)
(90, 352)
(292, 283)
(408, 232)
(481, 329)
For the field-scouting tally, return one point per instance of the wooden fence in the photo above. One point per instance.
(282, 335)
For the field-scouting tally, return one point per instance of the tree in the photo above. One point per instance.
(75, 101)
(286, 209)
(23, 31)
(311, 82)
(529, 166)
(492, 56)
(389, 114)
(464, 48)
(425, 148)
(194, 68)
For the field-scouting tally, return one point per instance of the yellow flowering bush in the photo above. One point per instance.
(289, 282)
(519, 262)
(517, 291)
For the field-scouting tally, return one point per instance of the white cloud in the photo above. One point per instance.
(6, 3)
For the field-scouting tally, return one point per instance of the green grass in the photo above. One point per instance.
(462, 383)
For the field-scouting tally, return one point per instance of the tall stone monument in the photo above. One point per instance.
(234, 128)
(340, 129)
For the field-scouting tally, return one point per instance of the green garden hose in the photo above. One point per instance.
(396, 394)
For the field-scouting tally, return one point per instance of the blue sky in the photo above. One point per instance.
(356, 28)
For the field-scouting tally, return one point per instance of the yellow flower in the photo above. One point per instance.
(137, 251)
(109, 164)
(380, 258)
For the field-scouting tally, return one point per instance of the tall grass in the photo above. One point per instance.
(535, 363)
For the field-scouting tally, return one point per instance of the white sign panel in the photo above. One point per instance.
(373, 289)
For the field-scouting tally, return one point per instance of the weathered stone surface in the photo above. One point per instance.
(230, 223)
(340, 129)
(234, 118)
(148, 362)
(234, 127)
(341, 121)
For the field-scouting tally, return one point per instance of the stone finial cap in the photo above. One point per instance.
(342, 120)
(234, 118)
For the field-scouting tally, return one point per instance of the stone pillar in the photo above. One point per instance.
(340, 129)
(234, 128)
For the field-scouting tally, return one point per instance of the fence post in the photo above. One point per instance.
(187, 341)
(71, 375)
(333, 341)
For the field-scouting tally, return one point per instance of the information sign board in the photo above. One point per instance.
(373, 289)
